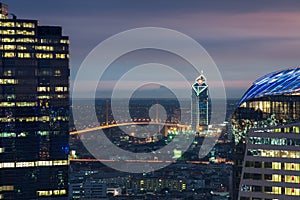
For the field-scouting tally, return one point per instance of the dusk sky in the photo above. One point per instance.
(246, 39)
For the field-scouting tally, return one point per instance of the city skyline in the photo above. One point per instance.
(125, 100)
(253, 37)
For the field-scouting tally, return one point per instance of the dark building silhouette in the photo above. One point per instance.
(34, 109)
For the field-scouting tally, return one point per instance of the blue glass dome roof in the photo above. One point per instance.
(276, 83)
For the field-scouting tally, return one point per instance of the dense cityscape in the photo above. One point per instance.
(53, 148)
(187, 176)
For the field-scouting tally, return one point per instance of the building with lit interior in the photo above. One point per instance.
(34, 109)
(266, 158)
(200, 108)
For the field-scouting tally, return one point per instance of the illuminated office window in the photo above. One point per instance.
(8, 81)
(7, 165)
(276, 190)
(276, 178)
(26, 104)
(44, 97)
(61, 56)
(61, 118)
(7, 135)
(290, 154)
(44, 55)
(25, 164)
(43, 89)
(43, 163)
(61, 89)
(25, 40)
(24, 55)
(292, 191)
(2, 17)
(292, 166)
(29, 119)
(8, 119)
(44, 193)
(56, 192)
(44, 118)
(8, 40)
(296, 129)
(28, 25)
(57, 73)
(7, 104)
(7, 24)
(62, 192)
(292, 179)
(18, 24)
(65, 41)
(276, 165)
(45, 41)
(7, 32)
(59, 192)
(274, 153)
(270, 153)
(7, 188)
(9, 55)
(43, 133)
(22, 134)
(21, 47)
(60, 162)
(44, 48)
(9, 47)
(25, 32)
(62, 96)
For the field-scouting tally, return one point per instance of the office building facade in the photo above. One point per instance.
(200, 108)
(34, 109)
(273, 100)
(271, 168)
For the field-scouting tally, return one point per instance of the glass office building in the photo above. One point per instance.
(272, 101)
(271, 168)
(34, 109)
(200, 104)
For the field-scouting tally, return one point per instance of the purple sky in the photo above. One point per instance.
(245, 39)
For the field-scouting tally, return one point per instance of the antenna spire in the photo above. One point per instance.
(13, 15)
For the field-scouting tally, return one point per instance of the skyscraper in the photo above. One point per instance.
(200, 104)
(34, 109)
(272, 102)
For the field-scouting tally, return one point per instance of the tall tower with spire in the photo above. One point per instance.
(200, 104)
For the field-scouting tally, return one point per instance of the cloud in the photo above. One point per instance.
(247, 39)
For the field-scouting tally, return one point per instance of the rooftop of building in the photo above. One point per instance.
(283, 82)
